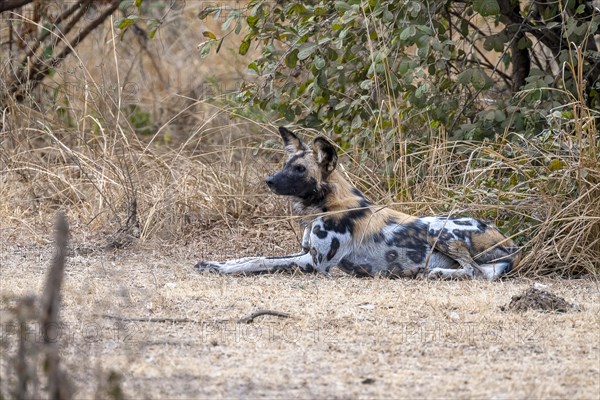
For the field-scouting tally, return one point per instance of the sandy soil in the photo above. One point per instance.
(346, 338)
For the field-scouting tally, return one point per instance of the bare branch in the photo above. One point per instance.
(6, 5)
(40, 69)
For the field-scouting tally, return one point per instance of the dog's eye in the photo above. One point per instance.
(300, 168)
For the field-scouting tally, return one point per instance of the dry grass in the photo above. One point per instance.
(197, 180)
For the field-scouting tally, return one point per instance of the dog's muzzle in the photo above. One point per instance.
(284, 184)
(270, 181)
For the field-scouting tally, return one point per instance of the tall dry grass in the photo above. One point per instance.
(123, 126)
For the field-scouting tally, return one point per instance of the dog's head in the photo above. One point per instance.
(305, 173)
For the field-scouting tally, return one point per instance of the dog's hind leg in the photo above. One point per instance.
(303, 261)
(457, 250)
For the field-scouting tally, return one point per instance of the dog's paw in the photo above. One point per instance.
(207, 266)
(446, 274)
(437, 273)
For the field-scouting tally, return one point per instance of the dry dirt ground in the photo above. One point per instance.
(346, 338)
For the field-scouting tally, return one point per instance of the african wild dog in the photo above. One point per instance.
(343, 228)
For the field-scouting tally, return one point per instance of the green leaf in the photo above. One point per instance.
(423, 51)
(252, 20)
(500, 116)
(233, 15)
(421, 91)
(332, 55)
(153, 26)
(495, 42)
(244, 47)
(215, 11)
(204, 48)
(342, 6)
(408, 32)
(340, 105)
(366, 84)
(356, 121)
(486, 7)
(465, 77)
(125, 4)
(405, 66)
(291, 59)
(489, 115)
(556, 165)
(295, 8)
(306, 50)
(126, 22)
(289, 114)
(480, 80)
(253, 67)
(319, 62)
(209, 35)
(320, 11)
(426, 30)
(476, 77)
(524, 43)
(388, 16)
(464, 27)
(47, 54)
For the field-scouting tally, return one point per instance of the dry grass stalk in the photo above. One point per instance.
(59, 384)
(27, 382)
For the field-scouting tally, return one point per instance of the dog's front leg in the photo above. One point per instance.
(258, 264)
(306, 239)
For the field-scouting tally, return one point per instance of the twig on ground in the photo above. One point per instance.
(156, 319)
(251, 317)
(246, 320)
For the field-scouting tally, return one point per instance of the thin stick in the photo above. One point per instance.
(250, 318)
(246, 320)
(157, 319)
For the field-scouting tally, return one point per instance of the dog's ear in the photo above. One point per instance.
(293, 144)
(326, 155)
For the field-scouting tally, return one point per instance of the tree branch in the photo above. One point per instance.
(7, 5)
(41, 67)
